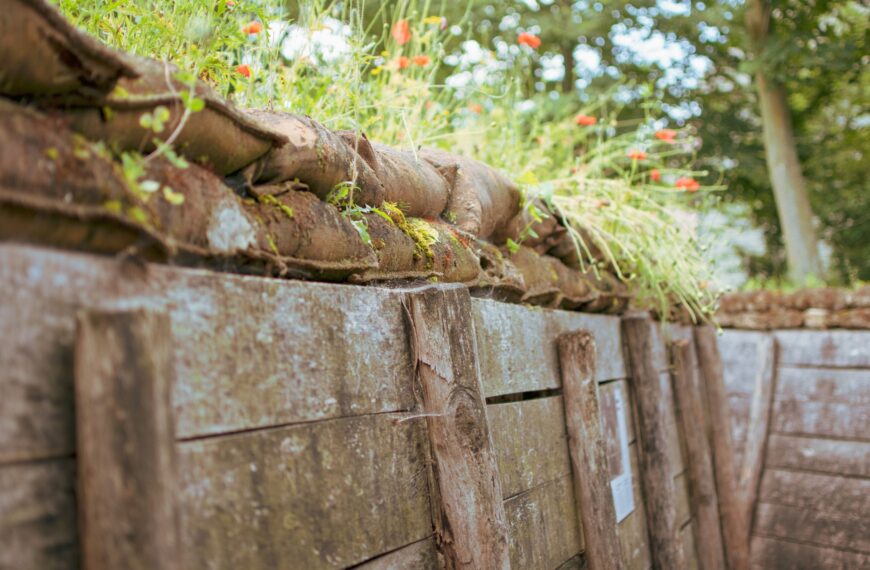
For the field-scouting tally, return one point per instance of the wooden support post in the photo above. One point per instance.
(730, 504)
(758, 430)
(588, 451)
(656, 472)
(470, 525)
(125, 441)
(702, 482)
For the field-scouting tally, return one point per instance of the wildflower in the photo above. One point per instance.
(687, 184)
(252, 28)
(401, 32)
(585, 120)
(421, 60)
(377, 70)
(244, 69)
(528, 39)
(637, 155)
(475, 108)
(655, 175)
(432, 20)
(230, 3)
(667, 135)
(403, 62)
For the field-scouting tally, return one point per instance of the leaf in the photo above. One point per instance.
(174, 198)
(512, 246)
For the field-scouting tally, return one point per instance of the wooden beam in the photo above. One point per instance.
(702, 483)
(734, 534)
(470, 524)
(588, 451)
(125, 440)
(652, 435)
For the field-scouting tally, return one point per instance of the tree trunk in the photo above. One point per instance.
(568, 78)
(789, 189)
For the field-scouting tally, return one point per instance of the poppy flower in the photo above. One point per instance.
(585, 120)
(667, 135)
(687, 184)
(252, 28)
(475, 108)
(401, 32)
(244, 69)
(403, 62)
(421, 60)
(655, 175)
(230, 3)
(528, 39)
(637, 155)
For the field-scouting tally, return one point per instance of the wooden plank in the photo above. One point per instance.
(632, 530)
(530, 442)
(824, 385)
(38, 516)
(543, 526)
(758, 429)
(827, 419)
(702, 485)
(422, 555)
(591, 474)
(517, 345)
(851, 458)
(739, 409)
(326, 494)
(471, 524)
(125, 440)
(693, 561)
(675, 447)
(734, 534)
(682, 506)
(656, 471)
(773, 554)
(835, 349)
(574, 563)
(608, 388)
(814, 527)
(739, 352)
(816, 492)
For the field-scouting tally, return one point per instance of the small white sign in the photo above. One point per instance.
(613, 412)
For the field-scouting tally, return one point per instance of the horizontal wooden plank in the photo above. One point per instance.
(832, 456)
(829, 419)
(815, 527)
(517, 348)
(530, 442)
(824, 385)
(632, 531)
(816, 492)
(543, 526)
(38, 516)
(327, 494)
(422, 555)
(773, 554)
(837, 349)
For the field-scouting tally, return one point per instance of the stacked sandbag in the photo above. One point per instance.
(499, 278)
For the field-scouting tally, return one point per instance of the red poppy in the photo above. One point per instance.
(585, 120)
(655, 175)
(230, 3)
(667, 135)
(421, 60)
(401, 32)
(637, 155)
(687, 184)
(252, 28)
(244, 69)
(528, 39)
(475, 108)
(403, 62)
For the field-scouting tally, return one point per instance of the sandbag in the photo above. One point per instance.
(482, 200)
(44, 55)
(315, 156)
(499, 278)
(613, 295)
(539, 275)
(577, 291)
(219, 136)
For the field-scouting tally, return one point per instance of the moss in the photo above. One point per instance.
(419, 230)
(272, 201)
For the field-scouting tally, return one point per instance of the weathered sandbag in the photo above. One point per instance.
(499, 277)
(539, 274)
(314, 156)
(517, 228)
(44, 55)
(482, 200)
(218, 136)
(577, 291)
(613, 295)
(309, 236)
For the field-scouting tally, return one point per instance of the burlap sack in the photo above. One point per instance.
(499, 278)
(539, 274)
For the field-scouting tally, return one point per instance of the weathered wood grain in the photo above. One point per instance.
(773, 554)
(543, 526)
(693, 561)
(828, 419)
(632, 530)
(517, 345)
(682, 506)
(471, 526)
(835, 349)
(734, 535)
(816, 492)
(702, 484)
(125, 437)
(322, 495)
(38, 516)
(824, 385)
(739, 410)
(813, 527)
(629, 406)
(835, 457)
(739, 352)
(530, 442)
(591, 474)
(574, 563)
(656, 471)
(422, 555)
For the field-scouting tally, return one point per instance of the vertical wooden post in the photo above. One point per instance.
(656, 471)
(758, 430)
(125, 441)
(730, 504)
(588, 451)
(702, 483)
(472, 526)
